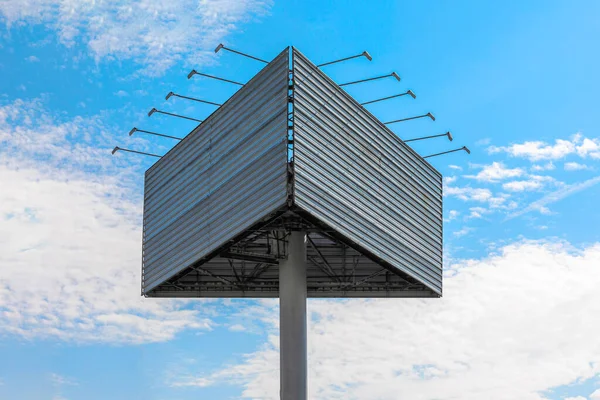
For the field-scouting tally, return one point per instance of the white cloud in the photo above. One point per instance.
(190, 381)
(495, 172)
(121, 93)
(452, 215)
(589, 147)
(481, 195)
(456, 167)
(563, 192)
(508, 327)
(462, 232)
(70, 237)
(573, 166)
(545, 167)
(538, 150)
(468, 193)
(575, 398)
(595, 395)
(156, 34)
(449, 179)
(237, 328)
(60, 380)
(521, 186)
(477, 212)
(32, 59)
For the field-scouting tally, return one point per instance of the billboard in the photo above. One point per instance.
(290, 151)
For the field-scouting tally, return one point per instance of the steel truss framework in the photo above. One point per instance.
(249, 267)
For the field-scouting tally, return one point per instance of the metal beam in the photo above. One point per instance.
(292, 320)
(331, 271)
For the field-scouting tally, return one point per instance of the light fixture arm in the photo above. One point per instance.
(363, 54)
(117, 148)
(131, 132)
(194, 72)
(408, 119)
(449, 151)
(154, 110)
(221, 46)
(448, 134)
(393, 74)
(409, 92)
(172, 94)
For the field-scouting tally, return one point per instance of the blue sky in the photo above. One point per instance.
(517, 83)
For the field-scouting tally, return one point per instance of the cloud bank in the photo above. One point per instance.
(70, 237)
(510, 326)
(155, 34)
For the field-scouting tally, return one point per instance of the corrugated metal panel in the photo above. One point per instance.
(358, 177)
(223, 177)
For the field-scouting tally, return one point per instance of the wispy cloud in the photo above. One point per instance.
(573, 166)
(463, 231)
(538, 150)
(452, 215)
(522, 186)
(495, 172)
(566, 191)
(508, 318)
(543, 167)
(156, 34)
(71, 217)
(61, 380)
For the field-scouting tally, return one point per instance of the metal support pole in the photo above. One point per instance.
(292, 320)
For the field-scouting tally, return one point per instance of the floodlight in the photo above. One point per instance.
(131, 132)
(449, 151)
(117, 148)
(363, 54)
(393, 74)
(447, 134)
(194, 72)
(154, 110)
(191, 98)
(221, 46)
(430, 115)
(391, 97)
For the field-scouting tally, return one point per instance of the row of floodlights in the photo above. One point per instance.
(222, 47)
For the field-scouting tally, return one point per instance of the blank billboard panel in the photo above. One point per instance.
(222, 178)
(355, 175)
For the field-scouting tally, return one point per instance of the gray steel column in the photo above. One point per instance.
(292, 320)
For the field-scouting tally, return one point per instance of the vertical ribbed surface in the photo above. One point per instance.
(226, 175)
(357, 176)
